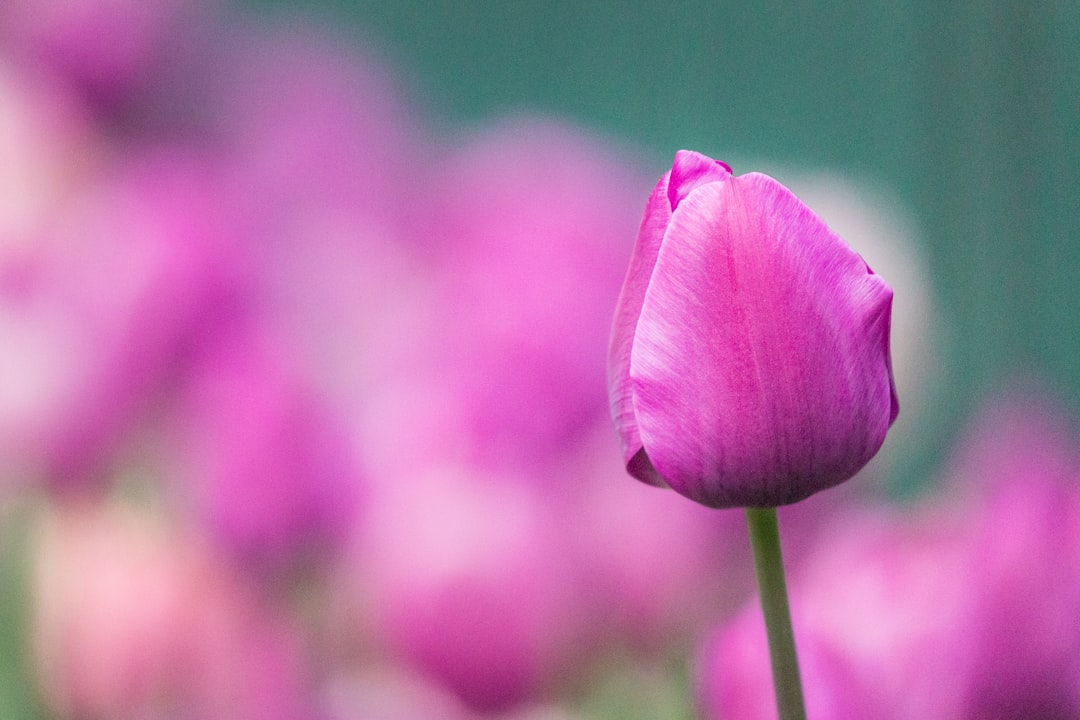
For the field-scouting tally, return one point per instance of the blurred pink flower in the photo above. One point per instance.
(311, 123)
(352, 307)
(104, 295)
(734, 679)
(50, 148)
(749, 360)
(360, 315)
(106, 48)
(1019, 467)
(962, 608)
(652, 568)
(530, 221)
(133, 618)
(879, 610)
(462, 577)
(322, 158)
(271, 470)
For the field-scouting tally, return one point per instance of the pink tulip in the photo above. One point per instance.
(749, 361)
(876, 225)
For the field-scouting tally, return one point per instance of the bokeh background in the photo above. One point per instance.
(303, 313)
(965, 113)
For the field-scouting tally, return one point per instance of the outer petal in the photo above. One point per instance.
(653, 226)
(689, 170)
(759, 367)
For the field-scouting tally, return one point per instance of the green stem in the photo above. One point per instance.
(769, 568)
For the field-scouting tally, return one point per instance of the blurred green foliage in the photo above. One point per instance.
(18, 692)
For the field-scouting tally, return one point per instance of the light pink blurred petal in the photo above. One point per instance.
(111, 289)
(531, 221)
(652, 567)
(734, 679)
(134, 617)
(269, 467)
(465, 582)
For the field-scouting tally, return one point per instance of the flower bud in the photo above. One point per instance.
(749, 361)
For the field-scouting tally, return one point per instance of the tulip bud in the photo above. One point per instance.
(749, 361)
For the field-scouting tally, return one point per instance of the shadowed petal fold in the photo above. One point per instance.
(653, 224)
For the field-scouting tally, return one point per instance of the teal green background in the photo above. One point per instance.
(968, 111)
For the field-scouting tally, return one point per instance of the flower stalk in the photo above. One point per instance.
(769, 569)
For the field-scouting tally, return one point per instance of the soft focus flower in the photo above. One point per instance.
(529, 219)
(652, 569)
(270, 469)
(888, 636)
(749, 361)
(1018, 467)
(390, 694)
(322, 158)
(734, 679)
(102, 299)
(963, 608)
(106, 48)
(49, 146)
(310, 122)
(135, 618)
(464, 581)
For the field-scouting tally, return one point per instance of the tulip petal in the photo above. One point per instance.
(757, 369)
(653, 224)
(691, 170)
